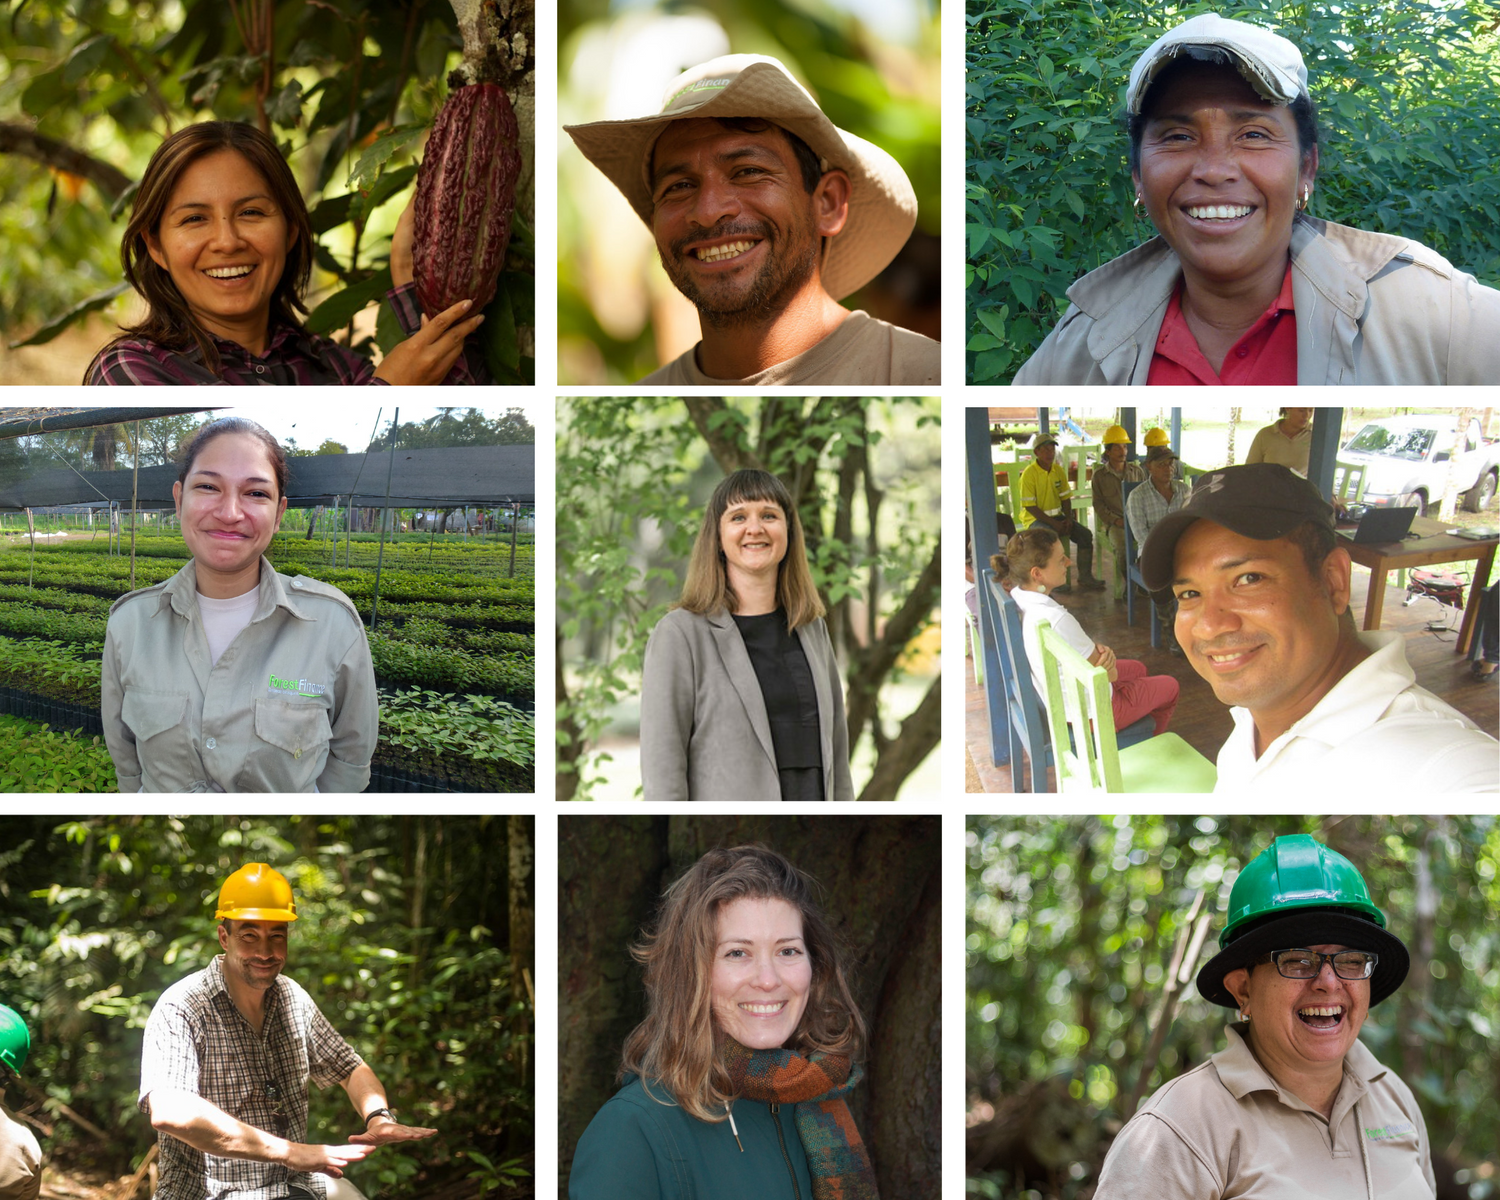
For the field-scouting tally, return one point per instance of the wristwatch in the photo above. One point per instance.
(388, 1114)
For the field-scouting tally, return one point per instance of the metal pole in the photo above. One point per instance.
(380, 556)
(515, 522)
(135, 480)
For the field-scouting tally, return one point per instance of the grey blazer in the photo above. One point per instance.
(704, 730)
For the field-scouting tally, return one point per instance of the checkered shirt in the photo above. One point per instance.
(197, 1042)
(1145, 509)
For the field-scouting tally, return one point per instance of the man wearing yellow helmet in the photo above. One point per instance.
(1109, 495)
(227, 1058)
(20, 1156)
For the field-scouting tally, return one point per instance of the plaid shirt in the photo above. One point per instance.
(197, 1042)
(291, 358)
(1146, 508)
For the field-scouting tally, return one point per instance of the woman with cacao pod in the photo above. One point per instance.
(220, 247)
(734, 1085)
(741, 697)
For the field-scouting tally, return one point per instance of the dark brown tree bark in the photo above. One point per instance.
(879, 882)
(19, 139)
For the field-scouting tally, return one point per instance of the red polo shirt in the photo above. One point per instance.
(1267, 354)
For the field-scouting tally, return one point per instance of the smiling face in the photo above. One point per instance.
(1220, 173)
(737, 231)
(1298, 1023)
(254, 952)
(229, 509)
(224, 241)
(753, 539)
(761, 973)
(1256, 624)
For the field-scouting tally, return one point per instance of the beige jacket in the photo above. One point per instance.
(290, 704)
(20, 1161)
(1371, 309)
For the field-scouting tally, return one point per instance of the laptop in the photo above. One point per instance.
(1384, 524)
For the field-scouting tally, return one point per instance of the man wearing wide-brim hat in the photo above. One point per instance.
(765, 216)
(1263, 614)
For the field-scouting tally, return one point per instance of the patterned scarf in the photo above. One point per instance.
(816, 1085)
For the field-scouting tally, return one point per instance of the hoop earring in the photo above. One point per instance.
(1135, 209)
(1244, 1016)
(1306, 198)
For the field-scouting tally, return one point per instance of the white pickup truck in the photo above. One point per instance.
(1407, 459)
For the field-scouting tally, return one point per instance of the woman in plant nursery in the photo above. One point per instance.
(230, 677)
(735, 1083)
(1243, 285)
(1295, 1104)
(220, 248)
(741, 697)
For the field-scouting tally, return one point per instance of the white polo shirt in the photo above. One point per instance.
(1226, 1128)
(1038, 608)
(1374, 727)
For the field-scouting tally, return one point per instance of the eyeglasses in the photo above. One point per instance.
(1308, 964)
(278, 1113)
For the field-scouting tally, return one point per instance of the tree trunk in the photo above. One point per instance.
(522, 903)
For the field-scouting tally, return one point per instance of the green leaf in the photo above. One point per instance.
(379, 152)
(340, 308)
(80, 310)
(498, 337)
(285, 106)
(86, 58)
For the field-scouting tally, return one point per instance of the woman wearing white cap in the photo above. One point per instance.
(1243, 285)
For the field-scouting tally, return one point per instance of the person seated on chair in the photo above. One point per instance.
(1263, 595)
(1036, 563)
(1109, 496)
(1148, 505)
(1044, 498)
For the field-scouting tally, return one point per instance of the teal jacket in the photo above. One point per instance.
(637, 1148)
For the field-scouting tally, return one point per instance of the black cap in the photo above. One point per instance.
(1261, 500)
(1301, 928)
(1156, 453)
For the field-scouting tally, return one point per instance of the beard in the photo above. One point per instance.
(728, 304)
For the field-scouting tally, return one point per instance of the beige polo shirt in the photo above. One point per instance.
(1226, 1129)
(289, 704)
(863, 349)
(20, 1161)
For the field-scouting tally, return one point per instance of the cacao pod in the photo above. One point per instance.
(466, 193)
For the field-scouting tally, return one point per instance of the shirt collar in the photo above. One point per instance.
(1356, 701)
(213, 982)
(1241, 1073)
(181, 592)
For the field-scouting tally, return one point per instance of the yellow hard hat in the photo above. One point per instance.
(256, 892)
(1116, 433)
(1157, 437)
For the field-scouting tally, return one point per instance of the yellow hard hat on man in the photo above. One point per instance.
(256, 892)
(1157, 437)
(1115, 433)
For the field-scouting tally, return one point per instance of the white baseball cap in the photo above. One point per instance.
(1272, 65)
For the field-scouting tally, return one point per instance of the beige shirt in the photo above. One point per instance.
(290, 704)
(20, 1161)
(1273, 446)
(1227, 1129)
(861, 350)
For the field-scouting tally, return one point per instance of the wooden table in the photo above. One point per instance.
(1431, 545)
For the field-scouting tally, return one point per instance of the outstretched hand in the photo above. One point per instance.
(388, 1131)
(325, 1160)
(429, 354)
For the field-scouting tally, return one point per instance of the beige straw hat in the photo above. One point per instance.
(882, 204)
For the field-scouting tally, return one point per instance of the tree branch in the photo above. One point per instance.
(19, 139)
(878, 659)
(900, 757)
(729, 451)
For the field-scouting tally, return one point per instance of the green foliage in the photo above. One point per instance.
(1072, 923)
(403, 942)
(476, 727)
(1407, 104)
(447, 667)
(37, 759)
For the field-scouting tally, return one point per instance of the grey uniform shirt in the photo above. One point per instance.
(1227, 1128)
(197, 1042)
(289, 705)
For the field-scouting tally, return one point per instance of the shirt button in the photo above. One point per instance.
(1242, 353)
(211, 744)
(260, 368)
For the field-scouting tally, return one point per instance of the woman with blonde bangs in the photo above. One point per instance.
(734, 1084)
(741, 696)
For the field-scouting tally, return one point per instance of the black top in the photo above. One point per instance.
(786, 685)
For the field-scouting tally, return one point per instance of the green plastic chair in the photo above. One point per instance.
(1078, 703)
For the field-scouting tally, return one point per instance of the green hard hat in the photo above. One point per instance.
(15, 1040)
(1296, 872)
(1298, 892)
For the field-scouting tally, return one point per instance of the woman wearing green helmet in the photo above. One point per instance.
(1295, 1105)
(20, 1156)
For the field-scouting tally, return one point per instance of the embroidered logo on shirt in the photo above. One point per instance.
(1395, 1129)
(298, 687)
